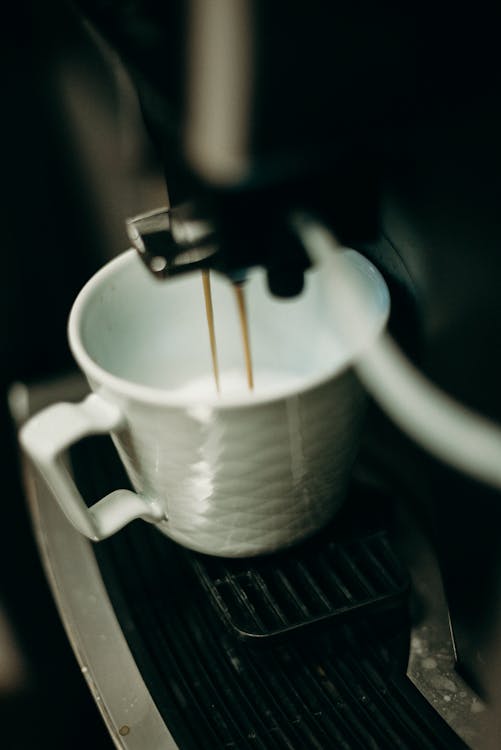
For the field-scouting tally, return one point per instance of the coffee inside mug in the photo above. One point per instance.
(153, 334)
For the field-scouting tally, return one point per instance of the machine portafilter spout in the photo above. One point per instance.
(172, 241)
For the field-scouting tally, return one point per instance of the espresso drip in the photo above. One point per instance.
(210, 323)
(244, 327)
(242, 313)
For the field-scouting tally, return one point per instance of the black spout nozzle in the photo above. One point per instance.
(178, 240)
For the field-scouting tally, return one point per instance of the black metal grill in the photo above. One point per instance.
(331, 687)
(320, 582)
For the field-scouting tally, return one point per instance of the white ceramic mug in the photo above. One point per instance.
(234, 474)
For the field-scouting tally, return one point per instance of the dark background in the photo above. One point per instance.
(71, 172)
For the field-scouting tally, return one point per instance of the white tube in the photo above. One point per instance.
(446, 428)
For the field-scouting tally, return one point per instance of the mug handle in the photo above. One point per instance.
(47, 436)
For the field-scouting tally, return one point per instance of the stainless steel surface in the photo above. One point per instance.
(85, 609)
(432, 659)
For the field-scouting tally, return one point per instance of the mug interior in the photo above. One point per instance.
(154, 334)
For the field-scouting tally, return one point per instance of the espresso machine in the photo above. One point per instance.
(381, 123)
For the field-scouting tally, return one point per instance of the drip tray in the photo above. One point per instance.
(323, 582)
(191, 623)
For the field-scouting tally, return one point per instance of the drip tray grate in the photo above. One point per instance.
(320, 582)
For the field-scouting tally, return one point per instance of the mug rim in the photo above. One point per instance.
(162, 397)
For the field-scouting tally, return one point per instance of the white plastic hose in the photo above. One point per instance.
(443, 426)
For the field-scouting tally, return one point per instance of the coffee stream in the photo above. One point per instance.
(244, 327)
(242, 314)
(209, 311)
